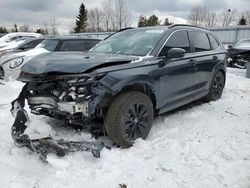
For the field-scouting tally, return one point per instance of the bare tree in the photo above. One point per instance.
(247, 15)
(211, 19)
(120, 10)
(24, 28)
(228, 17)
(53, 26)
(46, 31)
(198, 15)
(107, 12)
(95, 18)
(91, 20)
(50, 27)
(127, 20)
(99, 18)
(202, 16)
(114, 20)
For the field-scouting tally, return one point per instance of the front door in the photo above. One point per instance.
(175, 76)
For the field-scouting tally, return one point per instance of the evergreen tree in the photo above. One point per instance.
(3, 30)
(153, 21)
(15, 27)
(167, 22)
(242, 21)
(81, 20)
(142, 21)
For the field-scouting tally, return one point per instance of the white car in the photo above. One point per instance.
(6, 39)
(12, 64)
(12, 45)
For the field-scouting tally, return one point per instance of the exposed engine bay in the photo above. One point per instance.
(77, 100)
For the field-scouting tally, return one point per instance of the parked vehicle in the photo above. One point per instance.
(2, 34)
(20, 45)
(4, 40)
(13, 36)
(29, 43)
(12, 64)
(239, 54)
(126, 80)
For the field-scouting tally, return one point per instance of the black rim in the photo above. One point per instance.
(136, 122)
(217, 86)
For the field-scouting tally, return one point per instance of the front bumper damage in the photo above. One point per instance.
(44, 146)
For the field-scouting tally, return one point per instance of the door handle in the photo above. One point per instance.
(215, 57)
(192, 62)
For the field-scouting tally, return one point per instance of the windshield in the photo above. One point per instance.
(243, 43)
(48, 44)
(138, 42)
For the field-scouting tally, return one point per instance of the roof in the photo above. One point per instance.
(68, 37)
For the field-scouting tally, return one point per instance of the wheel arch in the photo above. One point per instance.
(140, 83)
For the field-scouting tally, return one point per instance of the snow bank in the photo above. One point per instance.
(199, 145)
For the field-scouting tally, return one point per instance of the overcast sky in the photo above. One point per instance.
(36, 12)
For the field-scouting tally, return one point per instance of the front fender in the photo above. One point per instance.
(116, 84)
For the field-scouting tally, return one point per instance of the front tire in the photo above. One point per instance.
(129, 117)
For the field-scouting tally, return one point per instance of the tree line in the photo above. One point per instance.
(204, 17)
(111, 16)
(152, 21)
(49, 28)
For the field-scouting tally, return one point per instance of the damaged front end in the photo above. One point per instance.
(238, 58)
(78, 99)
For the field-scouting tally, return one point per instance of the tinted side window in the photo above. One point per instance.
(91, 43)
(200, 41)
(13, 38)
(31, 44)
(72, 45)
(213, 42)
(179, 39)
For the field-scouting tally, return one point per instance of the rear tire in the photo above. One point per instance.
(129, 117)
(216, 87)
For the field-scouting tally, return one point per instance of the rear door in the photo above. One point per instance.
(204, 60)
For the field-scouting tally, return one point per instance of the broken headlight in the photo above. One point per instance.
(14, 63)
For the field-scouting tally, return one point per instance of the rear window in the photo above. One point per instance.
(73, 45)
(213, 42)
(200, 41)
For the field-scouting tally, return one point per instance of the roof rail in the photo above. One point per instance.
(174, 25)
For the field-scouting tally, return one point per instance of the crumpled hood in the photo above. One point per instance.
(73, 62)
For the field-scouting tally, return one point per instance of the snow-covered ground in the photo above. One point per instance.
(199, 146)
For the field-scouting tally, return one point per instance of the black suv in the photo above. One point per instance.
(127, 79)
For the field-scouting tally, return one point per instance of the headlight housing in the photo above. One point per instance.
(14, 63)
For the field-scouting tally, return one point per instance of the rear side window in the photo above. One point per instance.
(200, 41)
(213, 42)
(73, 45)
(13, 38)
(178, 39)
(31, 44)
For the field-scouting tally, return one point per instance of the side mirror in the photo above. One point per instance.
(175, 53)
(229, 46)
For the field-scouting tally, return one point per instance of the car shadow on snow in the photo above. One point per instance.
(98, 133)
